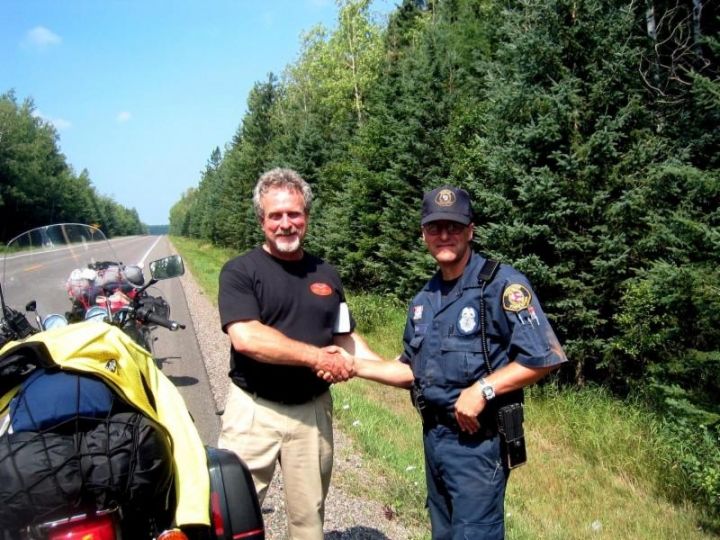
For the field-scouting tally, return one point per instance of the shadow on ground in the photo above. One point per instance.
(160, 361)
(356, 533)
(182, 380)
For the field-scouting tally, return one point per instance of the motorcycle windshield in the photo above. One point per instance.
(65, 268)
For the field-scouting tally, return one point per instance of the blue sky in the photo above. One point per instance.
(142, 91)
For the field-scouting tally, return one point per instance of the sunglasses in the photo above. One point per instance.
(451, 227)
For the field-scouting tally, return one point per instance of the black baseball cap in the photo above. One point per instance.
(446, 203)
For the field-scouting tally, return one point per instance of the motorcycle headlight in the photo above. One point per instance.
(96, 313)
(54, 321)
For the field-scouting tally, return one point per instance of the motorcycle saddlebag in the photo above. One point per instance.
(234, 507)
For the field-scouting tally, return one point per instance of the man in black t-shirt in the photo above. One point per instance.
(285, 313)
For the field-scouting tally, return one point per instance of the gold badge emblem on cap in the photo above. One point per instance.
(445, 197)
(516, 297)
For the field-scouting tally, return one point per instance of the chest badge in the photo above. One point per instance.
(321, 289)
(417, 313)
(516, 298)
(468, 320)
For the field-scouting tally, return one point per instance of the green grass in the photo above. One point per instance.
(380, 320)
(597, 467)
(387, 431)
(595, 470)
(204, 261)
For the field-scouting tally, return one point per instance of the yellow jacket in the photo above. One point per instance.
(107, 352)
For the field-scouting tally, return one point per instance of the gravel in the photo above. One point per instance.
(346, 516)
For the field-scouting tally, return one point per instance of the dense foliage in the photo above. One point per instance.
(587, 132)
(37, 187)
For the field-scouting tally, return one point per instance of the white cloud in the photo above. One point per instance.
(123, 117)
(60, 123)
(41, 38)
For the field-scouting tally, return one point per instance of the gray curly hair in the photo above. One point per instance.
(280, 178)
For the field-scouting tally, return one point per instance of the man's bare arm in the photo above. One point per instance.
(268, 345)
(371, 366)
(512, 376)
(390, 372)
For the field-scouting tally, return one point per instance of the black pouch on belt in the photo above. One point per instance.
(512, 434)
(417, 398)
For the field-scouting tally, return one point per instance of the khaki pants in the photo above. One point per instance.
(299, 437)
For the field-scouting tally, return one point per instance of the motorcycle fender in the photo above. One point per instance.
(234, 508)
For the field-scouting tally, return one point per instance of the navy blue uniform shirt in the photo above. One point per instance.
(442, 339)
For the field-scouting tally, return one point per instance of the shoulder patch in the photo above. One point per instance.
(516, 297)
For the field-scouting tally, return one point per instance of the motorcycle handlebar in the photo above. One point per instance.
(152, 318)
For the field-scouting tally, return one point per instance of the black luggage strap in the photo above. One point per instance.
(19, 361)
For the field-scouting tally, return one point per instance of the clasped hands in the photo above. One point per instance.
(335, 364)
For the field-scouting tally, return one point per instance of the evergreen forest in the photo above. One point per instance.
(586, 131)
(38, 187)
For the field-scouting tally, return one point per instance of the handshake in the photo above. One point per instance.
(335, 364)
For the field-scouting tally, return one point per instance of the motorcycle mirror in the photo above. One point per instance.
(167, 267)
(31, 306)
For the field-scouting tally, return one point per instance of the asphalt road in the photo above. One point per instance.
(179, 357)
(42, 277)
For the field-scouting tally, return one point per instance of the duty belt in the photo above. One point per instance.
(430, 414)
(433, 416)
(439, 417)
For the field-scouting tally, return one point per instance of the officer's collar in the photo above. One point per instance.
(467, 280)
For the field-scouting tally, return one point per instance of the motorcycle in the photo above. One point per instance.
(96, 443)
(99, 286)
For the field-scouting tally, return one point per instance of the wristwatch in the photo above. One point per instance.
(487, 390)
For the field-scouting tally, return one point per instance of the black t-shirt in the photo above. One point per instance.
(301, 299)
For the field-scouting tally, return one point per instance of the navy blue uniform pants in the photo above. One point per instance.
(466, 483)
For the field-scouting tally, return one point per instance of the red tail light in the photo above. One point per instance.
(251, 535)
(172, 534)
(89, 528)
(216, 514)
(219, 525)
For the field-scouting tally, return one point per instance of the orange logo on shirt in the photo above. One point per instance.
(321, 289)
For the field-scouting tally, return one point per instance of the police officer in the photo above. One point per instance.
(475, 336)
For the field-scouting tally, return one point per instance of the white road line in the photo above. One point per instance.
(142, 261)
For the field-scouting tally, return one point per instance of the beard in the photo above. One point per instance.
(287, 244)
